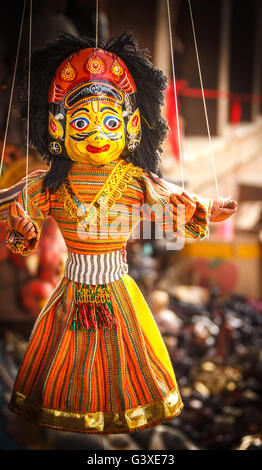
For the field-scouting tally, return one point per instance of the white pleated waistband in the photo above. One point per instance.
(96, 269)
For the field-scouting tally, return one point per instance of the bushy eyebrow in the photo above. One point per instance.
(80, 109)
(110, 109)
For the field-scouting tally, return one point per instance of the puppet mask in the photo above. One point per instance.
(93, 116)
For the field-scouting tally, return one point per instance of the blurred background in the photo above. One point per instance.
(206, 298)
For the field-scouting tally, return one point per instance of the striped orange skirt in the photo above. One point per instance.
(109, 380)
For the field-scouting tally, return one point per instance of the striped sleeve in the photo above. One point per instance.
(159, 208)
(198, 226)
(8, 195)
(36, 200)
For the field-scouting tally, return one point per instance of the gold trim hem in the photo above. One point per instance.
(134, 419)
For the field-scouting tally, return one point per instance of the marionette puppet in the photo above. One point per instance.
(96, 362)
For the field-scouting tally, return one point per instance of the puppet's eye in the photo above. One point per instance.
(80, 123)
(112, 123)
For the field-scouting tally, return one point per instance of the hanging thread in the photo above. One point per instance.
(96, 23)
(204, 101)
(28, 103)
(175, 94)
(12, 88)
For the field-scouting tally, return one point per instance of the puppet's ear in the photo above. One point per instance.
(134, 124)
(134, 131)
(54, 127)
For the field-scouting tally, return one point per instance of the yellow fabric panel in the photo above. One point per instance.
(148, 324)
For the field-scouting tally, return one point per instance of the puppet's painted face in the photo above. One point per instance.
(95, 132)
(93, 113)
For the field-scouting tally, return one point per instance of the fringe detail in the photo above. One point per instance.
(93, 309)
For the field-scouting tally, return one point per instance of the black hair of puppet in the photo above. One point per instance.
(150, 82)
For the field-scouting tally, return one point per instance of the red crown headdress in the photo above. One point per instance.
(104, 72)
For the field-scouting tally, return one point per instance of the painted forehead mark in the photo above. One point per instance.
(95, 106)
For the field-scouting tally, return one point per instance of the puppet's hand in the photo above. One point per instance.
(222, 210)
(188, 203)
(24, 226)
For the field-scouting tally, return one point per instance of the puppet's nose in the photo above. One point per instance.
(97, 138)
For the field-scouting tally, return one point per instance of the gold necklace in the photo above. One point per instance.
(110, 192)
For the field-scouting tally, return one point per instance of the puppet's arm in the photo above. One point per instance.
(181, 213)
(23, 227)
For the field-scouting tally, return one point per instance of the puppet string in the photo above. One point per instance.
(96, 23)
(175, 94)
(28, 101)
(12, 89)
(204, 101)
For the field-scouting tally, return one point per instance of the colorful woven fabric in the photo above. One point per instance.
(116, 375)
(152, 196)
(113, 380)
(8, 195)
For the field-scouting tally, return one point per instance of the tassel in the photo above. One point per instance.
(93, 309)
(80, 321)
(73, 326)
(93, 316)
(86, 322)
